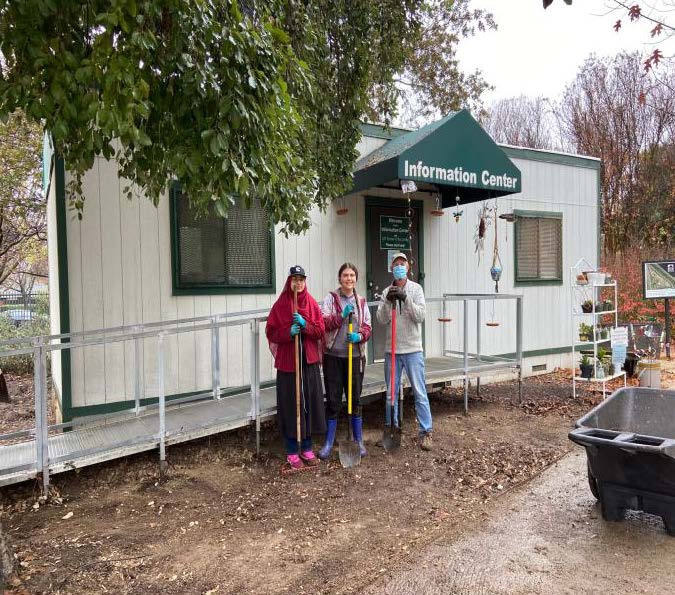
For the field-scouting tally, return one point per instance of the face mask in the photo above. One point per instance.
(400, 271)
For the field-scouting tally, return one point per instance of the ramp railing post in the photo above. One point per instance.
(215, 357)
(478, 327)
(41, 413)
(255, 380)
(444, 315)
(162, 402)
(137, 372)
(519, 345)
(466, 356)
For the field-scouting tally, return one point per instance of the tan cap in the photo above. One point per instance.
(400, 255)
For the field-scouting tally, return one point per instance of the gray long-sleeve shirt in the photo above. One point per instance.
(408, 320)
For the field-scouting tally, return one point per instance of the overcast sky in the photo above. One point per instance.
(538, 52)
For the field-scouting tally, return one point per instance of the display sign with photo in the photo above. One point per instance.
(658, 279)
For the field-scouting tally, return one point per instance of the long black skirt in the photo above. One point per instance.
(312, 416)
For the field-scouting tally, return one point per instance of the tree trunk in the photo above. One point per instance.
(6, 559)
(4, 393)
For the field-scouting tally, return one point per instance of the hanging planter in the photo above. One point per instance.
(341, 207)
(496, 272)
(438, 211)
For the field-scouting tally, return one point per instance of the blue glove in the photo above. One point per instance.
(298, 319)
(349, 308)
(354, 337)
(295, 330)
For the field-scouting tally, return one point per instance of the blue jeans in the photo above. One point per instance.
(413, 363)
(292, 445)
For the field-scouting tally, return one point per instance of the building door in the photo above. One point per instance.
(387, 224)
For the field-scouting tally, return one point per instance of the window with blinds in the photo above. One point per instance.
(539, 247)
(218, 255)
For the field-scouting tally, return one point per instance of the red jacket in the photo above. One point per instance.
(278, 333)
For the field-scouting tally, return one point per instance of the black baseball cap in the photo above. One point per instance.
(297, 270)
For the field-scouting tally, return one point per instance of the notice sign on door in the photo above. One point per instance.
(394, 233)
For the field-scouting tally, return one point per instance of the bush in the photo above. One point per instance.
(21, 364)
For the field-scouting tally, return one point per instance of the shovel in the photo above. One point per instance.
(391, 439)
(349, 451)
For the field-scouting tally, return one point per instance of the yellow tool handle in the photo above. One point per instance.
(349, 371)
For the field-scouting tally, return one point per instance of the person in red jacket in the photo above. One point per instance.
(283, 325)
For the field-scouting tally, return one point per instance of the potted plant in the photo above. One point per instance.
(586, 367)
(599, 306)
(604, 361)
(581, 279)
(585, 332)
(608, 305)
(587, 306)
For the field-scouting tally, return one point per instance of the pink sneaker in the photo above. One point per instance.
(309, 458)
(294, 461)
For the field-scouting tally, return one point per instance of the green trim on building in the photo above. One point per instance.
(518, 213)
(380, 131)
(549, 351)
(210, 289)
(63, 289)
(538, 214)
(550, 157)
(117, 406)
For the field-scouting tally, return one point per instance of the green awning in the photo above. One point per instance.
(454, 155)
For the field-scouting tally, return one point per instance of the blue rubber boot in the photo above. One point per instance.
(326, 449)
(357, 430)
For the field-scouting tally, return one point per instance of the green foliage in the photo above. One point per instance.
(21, 364)
(256, 98)
(585, 360)
(22, 204)
(585, 329)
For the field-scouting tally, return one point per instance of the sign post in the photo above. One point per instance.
(658, 282)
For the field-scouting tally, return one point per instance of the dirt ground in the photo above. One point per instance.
(223, 521)
(546, 537)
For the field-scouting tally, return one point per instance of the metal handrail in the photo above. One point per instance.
(41, 346)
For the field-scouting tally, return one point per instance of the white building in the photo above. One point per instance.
(127, 262)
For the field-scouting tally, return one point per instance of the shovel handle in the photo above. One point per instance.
(392, 377)
(350, 350)
(297, 371)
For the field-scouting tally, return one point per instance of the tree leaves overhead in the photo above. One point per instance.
(256, 98)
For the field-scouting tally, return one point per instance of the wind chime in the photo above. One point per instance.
(495, 269)
(457, 213)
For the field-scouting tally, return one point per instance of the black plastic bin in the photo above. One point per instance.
(630, 444)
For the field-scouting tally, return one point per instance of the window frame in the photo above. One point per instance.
(178, 288)
(520, 214)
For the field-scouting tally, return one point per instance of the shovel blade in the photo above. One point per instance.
(391, 439)
(350, 454)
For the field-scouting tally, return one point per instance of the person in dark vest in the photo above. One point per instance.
(336, 308)
(283, 325)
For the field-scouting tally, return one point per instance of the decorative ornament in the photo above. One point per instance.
(457, 213)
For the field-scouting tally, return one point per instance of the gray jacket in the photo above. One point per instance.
(408, 320)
